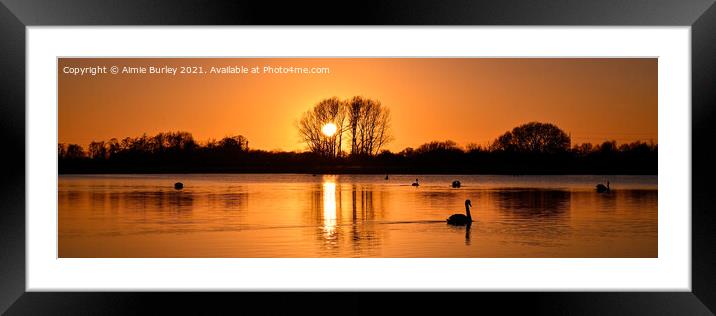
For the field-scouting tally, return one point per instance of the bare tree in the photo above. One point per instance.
(368, 124)
(366, 121)
(312, 122)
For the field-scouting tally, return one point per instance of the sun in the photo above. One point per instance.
(329, 129)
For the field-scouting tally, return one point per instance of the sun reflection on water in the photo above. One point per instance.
(329, 206)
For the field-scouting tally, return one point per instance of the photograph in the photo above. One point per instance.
(397, 156)
(357, 157)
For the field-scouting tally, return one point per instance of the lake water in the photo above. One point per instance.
(292, 215)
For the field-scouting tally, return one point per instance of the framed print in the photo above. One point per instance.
(553, 153)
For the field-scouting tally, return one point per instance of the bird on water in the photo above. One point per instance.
(415, 184)
(602, 189)
(461, 219)
(178, 186)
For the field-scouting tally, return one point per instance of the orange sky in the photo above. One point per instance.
(468, 100)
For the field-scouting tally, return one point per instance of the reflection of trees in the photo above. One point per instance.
(182, 201)
(363, 207)
(235, 198)
(364, 233)
(135, 211)
(441, 199)
(143, 201)
(533, 203)
(145, 209)
(335, 228)
(158, 201)
(634, 199)
(534, 217)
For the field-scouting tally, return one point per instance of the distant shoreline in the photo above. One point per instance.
(530, 149)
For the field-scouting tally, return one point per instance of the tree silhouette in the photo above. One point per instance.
(310, 126)
(72, 151)
(369, 123)
(435, 147)
(607, 147)
(366, 121)
(518, 151)
(113, 147)
(533, 137)
(234, 143)
(582, 150)
(97, 150)
(61, 150)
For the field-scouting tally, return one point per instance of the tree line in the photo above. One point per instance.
(532, 148)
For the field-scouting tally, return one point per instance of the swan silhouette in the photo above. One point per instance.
(456, 184)
(178, 186)
(461, 219)
(415, 184)
(602, 189)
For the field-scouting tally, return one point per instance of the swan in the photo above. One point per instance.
(178, 186)
(461, 219)
(601, 188)
(415, 184)
(386, 176)
(456, 184)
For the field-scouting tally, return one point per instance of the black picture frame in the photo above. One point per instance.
(16, 15)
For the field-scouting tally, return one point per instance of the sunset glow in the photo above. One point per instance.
(467, 100)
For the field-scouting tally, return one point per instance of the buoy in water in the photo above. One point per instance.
(178, 186)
